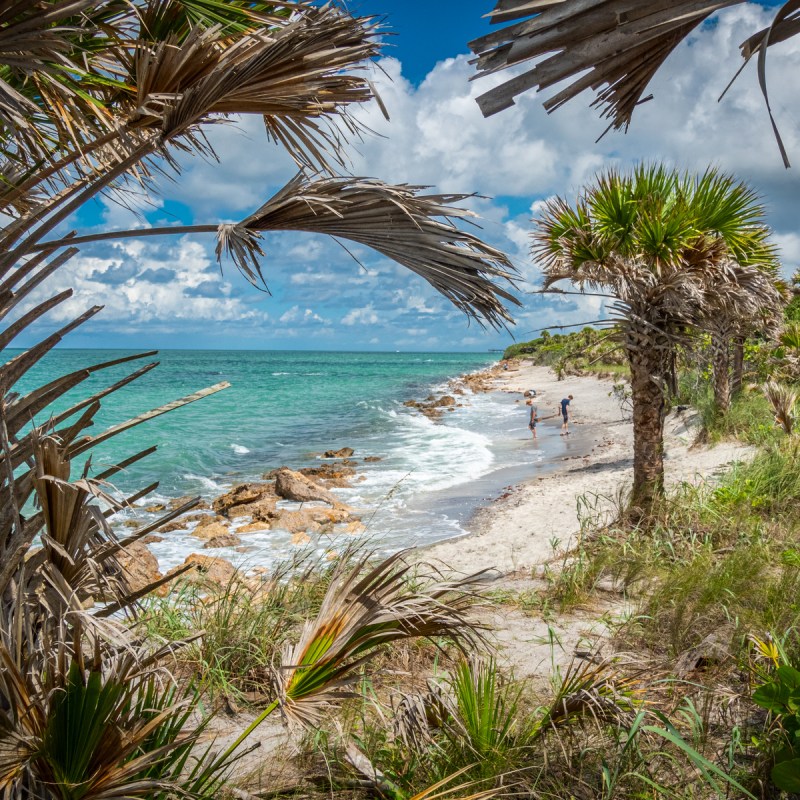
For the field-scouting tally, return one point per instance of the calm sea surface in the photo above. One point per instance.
(284, 408)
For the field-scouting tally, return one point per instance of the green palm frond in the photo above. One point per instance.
(791, 336)
(363, 609)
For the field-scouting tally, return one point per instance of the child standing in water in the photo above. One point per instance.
(534, 417)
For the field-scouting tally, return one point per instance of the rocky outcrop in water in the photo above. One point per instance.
(210, 530)
(344, 452)
(210, 571)
(224, 540)
(244, 495)
(295, 486)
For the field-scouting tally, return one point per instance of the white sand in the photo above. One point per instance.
(521, 530)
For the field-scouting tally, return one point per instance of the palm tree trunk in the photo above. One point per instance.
(721, 363)
(649, 412)
(738, 365)
(672, 376)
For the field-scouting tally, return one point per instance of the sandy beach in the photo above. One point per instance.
(542, 516)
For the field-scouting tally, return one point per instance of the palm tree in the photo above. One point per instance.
(757, 306)
(101, 95)
(610, 46)
(670, 249)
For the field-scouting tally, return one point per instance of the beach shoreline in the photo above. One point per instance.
(537, 519)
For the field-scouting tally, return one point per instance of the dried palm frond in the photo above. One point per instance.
(411, 228)
(296, 75)
(591, 691)
(783, 400)
(613, 47)
(416, 230)
(43, 83)
(178, 64)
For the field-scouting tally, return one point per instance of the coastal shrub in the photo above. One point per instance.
(479, 724)
(714, 557)
(750, 418)
(590, 350)
(768, 485)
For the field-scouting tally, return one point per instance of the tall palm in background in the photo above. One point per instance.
(756, 309)
(102, 96)
(671, 250)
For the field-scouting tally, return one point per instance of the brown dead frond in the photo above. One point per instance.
(411, 228)
(613, 47)
(783, 400)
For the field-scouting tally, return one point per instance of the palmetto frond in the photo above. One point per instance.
(364, 608)
(399, 221)
(613, 47)
(153, 73)
(46, 82)
(661, 239)
(783, 400)
(298, 74)
(98, 726)
(402, 223)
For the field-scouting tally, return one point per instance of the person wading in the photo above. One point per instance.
(565, 415)
(534, 417)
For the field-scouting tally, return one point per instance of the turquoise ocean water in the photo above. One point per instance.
(284, 408)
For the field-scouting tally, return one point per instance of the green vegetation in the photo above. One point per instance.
(99, 97)
(588, 350)
(712, 584)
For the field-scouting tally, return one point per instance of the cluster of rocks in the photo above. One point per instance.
(434, 406)
(247, 508)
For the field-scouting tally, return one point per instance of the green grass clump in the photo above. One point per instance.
(768, 485)
(715, 557)
(750, 418)
(478, 730)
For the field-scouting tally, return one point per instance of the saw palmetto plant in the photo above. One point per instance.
(104, 96)
(479, 723)
(365, 608)
(613, 47)
(670, 250)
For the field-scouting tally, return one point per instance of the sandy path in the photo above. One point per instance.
(522, 529)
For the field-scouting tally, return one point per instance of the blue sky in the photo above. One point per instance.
(170, 293)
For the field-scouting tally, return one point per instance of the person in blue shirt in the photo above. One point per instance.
(565, 414)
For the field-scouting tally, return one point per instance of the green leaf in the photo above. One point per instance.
(786, 775)
(708, 769)
(781, 692)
